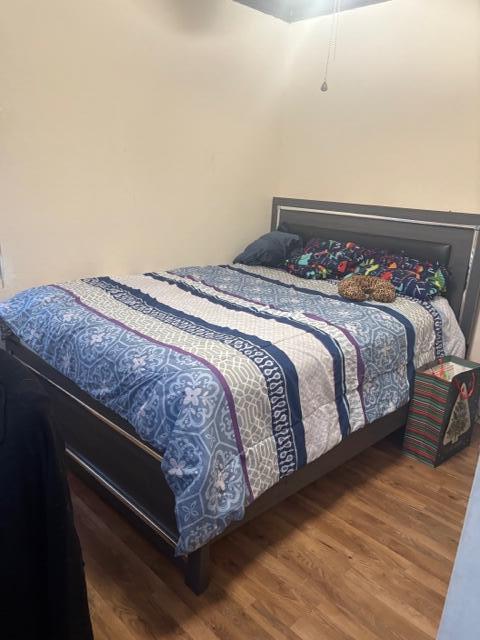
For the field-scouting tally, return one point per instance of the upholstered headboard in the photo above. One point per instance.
(451, 238)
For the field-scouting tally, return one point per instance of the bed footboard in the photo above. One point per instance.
(99, 443)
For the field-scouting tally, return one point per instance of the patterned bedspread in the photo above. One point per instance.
(238, 375)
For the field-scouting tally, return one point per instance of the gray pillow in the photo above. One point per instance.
(271, 249)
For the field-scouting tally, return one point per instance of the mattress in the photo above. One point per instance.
(237, 375)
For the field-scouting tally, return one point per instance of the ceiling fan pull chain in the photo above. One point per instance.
(332, 43)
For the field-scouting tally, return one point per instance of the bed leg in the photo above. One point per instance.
(197, 575)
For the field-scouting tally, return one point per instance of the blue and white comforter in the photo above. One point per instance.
(238, 375)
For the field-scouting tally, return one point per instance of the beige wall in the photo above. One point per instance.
(140, 134)
(134, 134)
(400, 124)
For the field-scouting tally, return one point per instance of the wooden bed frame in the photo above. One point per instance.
(99, 442)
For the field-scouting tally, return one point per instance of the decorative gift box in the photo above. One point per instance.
(442, 410)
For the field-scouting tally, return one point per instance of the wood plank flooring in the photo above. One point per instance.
(363, 554)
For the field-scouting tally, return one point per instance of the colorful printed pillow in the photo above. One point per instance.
(339, 257)
(304, 267)
(326, 259)
(410, 276)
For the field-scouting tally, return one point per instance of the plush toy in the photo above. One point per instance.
(365, 288)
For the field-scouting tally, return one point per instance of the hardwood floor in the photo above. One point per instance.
(364, 553)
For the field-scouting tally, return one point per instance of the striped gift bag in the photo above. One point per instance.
(442, 410)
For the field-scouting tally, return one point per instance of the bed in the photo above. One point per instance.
(197, 398)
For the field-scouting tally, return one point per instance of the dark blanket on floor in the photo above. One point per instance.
(42, 584)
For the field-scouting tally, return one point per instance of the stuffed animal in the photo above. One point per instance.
(365, 288)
